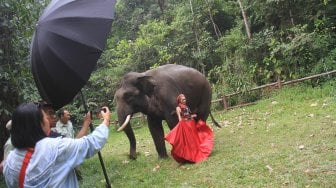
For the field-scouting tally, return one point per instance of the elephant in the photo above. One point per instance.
(154, 93)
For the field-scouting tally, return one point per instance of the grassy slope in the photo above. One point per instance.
(287, 140)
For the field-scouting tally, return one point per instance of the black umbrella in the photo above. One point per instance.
(69, 39)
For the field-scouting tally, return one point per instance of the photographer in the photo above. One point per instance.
(40, 161)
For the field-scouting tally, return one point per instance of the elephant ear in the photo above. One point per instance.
(146, 84)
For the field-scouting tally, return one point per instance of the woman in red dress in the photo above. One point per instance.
(191, 141)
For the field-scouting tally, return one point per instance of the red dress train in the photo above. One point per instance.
(191, 141)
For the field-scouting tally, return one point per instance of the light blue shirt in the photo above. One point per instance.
(8, 147)
(53, 161)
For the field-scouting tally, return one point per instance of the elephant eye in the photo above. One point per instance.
(128, 97)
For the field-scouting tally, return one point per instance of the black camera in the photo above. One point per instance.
(103, 109)
(96, 112)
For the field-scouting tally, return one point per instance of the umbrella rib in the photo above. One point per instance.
(54, 6)
(51, 30)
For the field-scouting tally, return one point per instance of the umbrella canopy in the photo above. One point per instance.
(69, 38)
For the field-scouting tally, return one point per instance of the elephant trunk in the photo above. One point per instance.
(128, 118)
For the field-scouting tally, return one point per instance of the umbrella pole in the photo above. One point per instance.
(108, 185)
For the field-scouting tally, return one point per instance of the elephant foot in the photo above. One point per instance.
(132, 157)
(163, 156)
(132, 154)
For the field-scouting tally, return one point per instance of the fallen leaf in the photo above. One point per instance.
(125, 162)
(275, 102)
(285, 183)
(308, 171)
(270, 169)
(156, 168)
(226, 123)
(147, 153)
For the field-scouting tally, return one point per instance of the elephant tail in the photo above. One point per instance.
(214, 121)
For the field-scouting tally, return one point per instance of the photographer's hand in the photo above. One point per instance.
(87, 119)
(85, 126)
(105, 113)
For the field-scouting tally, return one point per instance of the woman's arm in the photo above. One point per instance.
(178, 112)
(85, 126)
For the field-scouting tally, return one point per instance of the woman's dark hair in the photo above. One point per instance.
(26, 126)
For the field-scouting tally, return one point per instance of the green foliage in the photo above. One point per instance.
(291, 47)
(233, 74)
(17, 24)
(301, 54)
(130, 15)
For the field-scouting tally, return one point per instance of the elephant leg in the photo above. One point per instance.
(156, 130)
(130, 135)
(171, 121)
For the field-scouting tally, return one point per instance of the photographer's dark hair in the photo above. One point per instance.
(60, 112)
(26, 126)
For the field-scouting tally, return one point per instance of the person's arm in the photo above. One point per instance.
(1, 166)
(75, 151)
(178, 112)
(85, 126)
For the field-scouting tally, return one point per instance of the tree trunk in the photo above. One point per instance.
(217, 31)
(247, 26)
(161, 5)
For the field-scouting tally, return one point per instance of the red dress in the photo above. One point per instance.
(191, 141)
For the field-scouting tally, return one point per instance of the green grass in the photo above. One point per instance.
(286, 140)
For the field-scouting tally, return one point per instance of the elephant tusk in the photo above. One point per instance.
(125, 123)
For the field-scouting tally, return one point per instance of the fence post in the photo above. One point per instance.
(279, 83)
(225, 102)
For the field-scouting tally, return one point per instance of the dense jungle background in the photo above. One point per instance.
(237, 44)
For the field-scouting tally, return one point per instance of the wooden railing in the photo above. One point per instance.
(225, 99)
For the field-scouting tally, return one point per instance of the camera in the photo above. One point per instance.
(96, 112)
